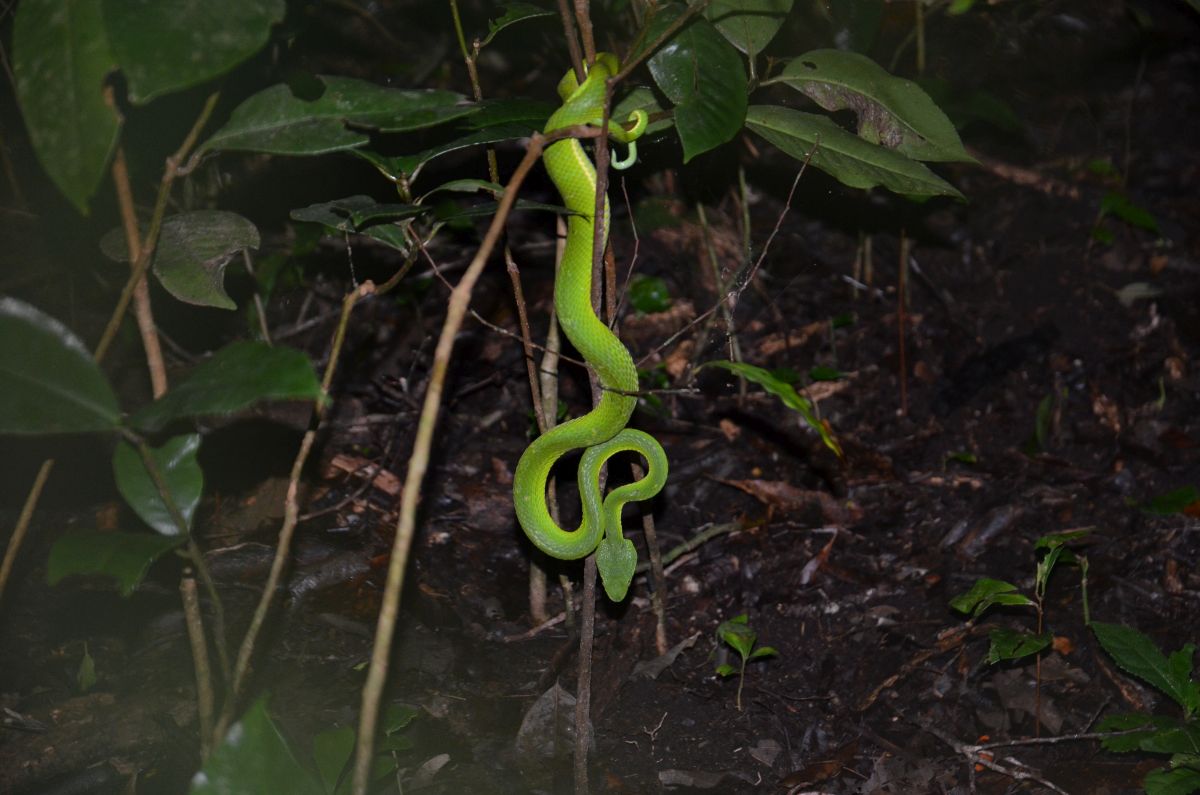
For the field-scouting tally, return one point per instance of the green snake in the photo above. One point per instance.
(601, 433)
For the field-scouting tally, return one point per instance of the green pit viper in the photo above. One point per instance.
(601, 433)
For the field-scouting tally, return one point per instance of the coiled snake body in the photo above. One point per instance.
(601, 432)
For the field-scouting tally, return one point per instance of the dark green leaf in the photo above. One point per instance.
(725, 669)
(1102, 234)
(1119, 205)
(467, 186)
(194, 249)
(1043, 420)
(1173, 502)
(397, 717)
(649, 294)
(848, 158)
(168, 45)
(60, 59)
(254, 759)
(785, 392)
(1052, 540)
(1123, 722)
(450, 212)
(513, 13)
(1181, 738)
(748, 24)
(51, 384)
(277, 121)
(178, 466)
(1008, 644)
(703, 75)
(332, 749)
(738, 634)
(401, 166)
(764, 651)
(1176, 781)
(825, 374)
(962, 457)
(85, 677)
(522, 113)
(892, 112)
(966, 107)
(237, 377)
(124, 557)
(959, 7)
(1136, 654)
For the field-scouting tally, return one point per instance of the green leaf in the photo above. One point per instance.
(847, 158)
(1124, 722)
(176, 461)
(985, 593)
(764, 651)
(124, 557)
(396, 167)
(168, 45)
(1136, 654)
(397, 717)
(892, 112)
(749, 25)
(51, 384)
(60, 59)
(237, 377)
(346, 215)
(1053, 540)
(738, 634)
(703, 75)
(825, 374)
(466, 186)
(194, 249)
(1009, 644)
(649, 294)
(513, 13)
(254, 759)
(1119, 204)
(725, 669)
(85, 677)
(332, 749)
(1173, 502)
(525, 113)
(959, 7)
(1172, 781)
(785, 392)
(277, 121)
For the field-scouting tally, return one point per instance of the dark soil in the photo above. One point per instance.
(1026, 378)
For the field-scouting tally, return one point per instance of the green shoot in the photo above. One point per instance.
(736, 633)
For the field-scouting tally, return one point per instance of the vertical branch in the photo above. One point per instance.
(583, 16)
(460, 298)
(204, 689)
(583, 686)
(568, 21)
(902, 320)
(23, 521)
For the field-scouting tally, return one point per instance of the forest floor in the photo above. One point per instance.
(1033, 376)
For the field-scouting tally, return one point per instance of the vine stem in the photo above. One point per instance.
(418, 463)
(23, 521)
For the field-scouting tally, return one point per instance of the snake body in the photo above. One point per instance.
(601, 432)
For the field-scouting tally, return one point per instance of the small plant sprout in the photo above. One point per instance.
(736, 632)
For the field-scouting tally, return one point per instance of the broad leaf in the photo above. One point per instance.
(194, 249)
(703, 75)
(277, 121)
(236, 378)
(176, 461)
(1136, 654)
(254, 759)
(785, 392)
(1053, 540)
(466, 185)
(529, 114)
(1126, 722)
(169, 45)
(124, 557)
(846, 157)
(1177, 501)
(513, 13)
(738, 634)
(396, 167)
(649, 294)
(364, 216)
(749, 25)
(60, 59)
(50, 383)
(332, 749)
(892, 112)
(1172, 781)
(1009, 644)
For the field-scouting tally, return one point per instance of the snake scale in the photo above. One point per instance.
(601, 433)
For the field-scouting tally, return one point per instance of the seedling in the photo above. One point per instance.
(736, 632)
(1010, 644)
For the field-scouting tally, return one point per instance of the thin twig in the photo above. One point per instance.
(418, 463)
(23, 521)
(568, 21)
(583, 684)
(204, 687)
(583, 17)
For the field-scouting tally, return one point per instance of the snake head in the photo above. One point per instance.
(616, 558)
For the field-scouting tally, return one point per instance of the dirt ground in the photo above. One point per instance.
(1025, 378)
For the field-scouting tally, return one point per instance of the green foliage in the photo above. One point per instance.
(85, 675)
(737, 634)
(1137, 655)
(649, 294)
(51, 383)
(749, 25)
(253, 759)
(785, 392)
(180, 471)
(1179, 500)
(513, 13)
(122, 557)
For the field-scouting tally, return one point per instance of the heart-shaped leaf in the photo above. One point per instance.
(748, 24)
(50, 383)
(176, 462)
